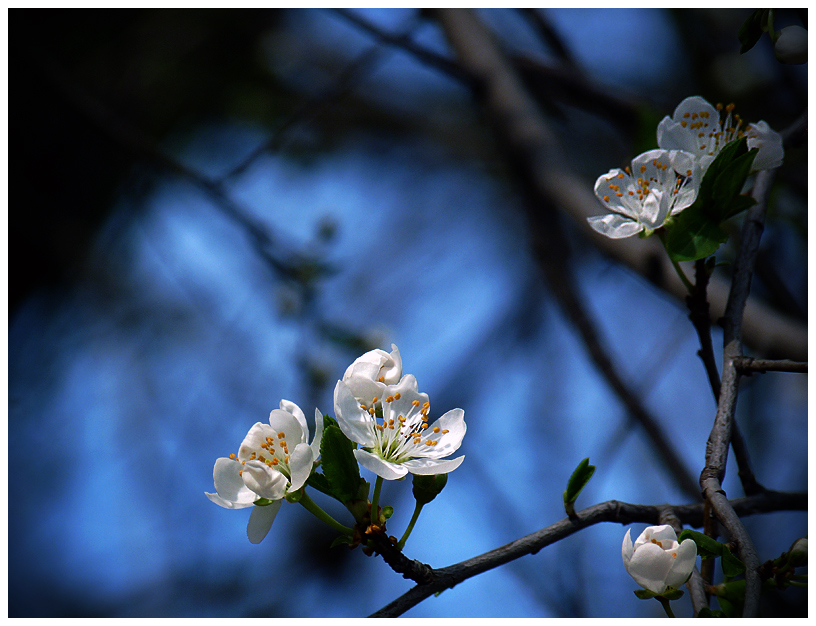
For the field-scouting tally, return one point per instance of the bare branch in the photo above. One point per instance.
(720, 437)
(437, 580)
(748, 365)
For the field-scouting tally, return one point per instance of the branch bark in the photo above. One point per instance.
(436, 580)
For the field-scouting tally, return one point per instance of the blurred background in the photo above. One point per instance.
(211, 210)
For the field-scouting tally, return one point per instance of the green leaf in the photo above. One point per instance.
(339, 465)
(751, 30)
(340, 541)
(731, 565)
(644, 594)
(672, 594)
(740, 204)
(694, 235)
(319, 482)
(706, 612)
(580, 477)
(707, 547)
(263, 502)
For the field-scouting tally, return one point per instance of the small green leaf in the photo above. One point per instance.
(263, 502)
(707, 547)
(580, 477)
(319, 482)
(387, 512)
(339, 465)
(340, 541)
(672, 594)
(644, 594)
(707, 612)
(751, 30)
(694, 235)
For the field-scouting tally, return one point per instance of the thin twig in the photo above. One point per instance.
(720, 437)
(436, 580)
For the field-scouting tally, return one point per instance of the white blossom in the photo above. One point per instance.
(697, 128)
(656, 561)
(659, 183)
(791, 45)
(393, 431)
(372, 372)
(274, 459)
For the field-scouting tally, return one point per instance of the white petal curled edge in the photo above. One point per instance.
(430, 467)
(295, 410)
(627, 548)
(614, 226)
(260, 521)
(318, 436)
(264, 481)
(383, 469)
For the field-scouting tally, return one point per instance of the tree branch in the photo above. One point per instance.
(436, 580)
(749, 365)
(720, 437)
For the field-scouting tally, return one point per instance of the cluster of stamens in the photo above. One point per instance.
(276, 457)
(395, 435)
(643, 182)
(655, 541)
(713, 140)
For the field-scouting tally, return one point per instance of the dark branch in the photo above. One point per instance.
(748, 365)
(612, 511)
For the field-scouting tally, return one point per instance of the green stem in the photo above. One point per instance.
(665, 604)
(683, 276)
(375, 501)
(320, 514)
(408, 530)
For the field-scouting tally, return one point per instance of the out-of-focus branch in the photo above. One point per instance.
(720, 437)
(436, 580)
(765, 330)
(531, 147)
(270, 247)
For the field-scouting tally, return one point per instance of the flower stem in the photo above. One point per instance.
(320, 514)
(666, 606)
(683, 276)
(408, 530)
(375, 501)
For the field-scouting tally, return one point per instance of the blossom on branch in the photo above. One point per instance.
(656, 561)
(394, 433)
(273, 460)
(659, 183)
(697, 128)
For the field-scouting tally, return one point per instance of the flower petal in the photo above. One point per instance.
(649, 566)
(614, 226)
(318, 436)
(431, 467)
(285, 422)
(683, 564)
(627, 549)
(300, 465)
(264, 480)
(383, 469)
(355, 423)
(771, 153)
(294, 409)
(232, 493)
(260, 521)
(454, 422)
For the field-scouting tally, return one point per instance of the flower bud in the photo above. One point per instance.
(791, 45)
(426, 488)
(656, 561)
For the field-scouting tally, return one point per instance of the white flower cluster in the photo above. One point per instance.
(376, 407)
(660, 183)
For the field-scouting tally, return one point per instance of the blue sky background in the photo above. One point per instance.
(125, 388)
